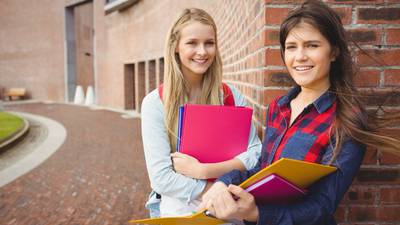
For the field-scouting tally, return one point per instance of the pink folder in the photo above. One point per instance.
(212, 133)
(276, 190)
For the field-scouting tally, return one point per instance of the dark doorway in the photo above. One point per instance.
(79, 41)
(129, 85)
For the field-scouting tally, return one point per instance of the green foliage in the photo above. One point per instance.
(9, 124)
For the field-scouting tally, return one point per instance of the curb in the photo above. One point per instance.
(54, 140)
(15, 136)
(126, 113)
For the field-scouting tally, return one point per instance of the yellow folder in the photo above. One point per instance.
(300, 173)
(198, 218)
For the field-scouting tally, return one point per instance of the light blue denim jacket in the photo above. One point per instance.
(163, 179)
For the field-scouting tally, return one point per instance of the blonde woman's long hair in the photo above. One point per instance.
(176, 90)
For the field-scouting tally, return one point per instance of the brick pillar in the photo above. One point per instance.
(248, 38)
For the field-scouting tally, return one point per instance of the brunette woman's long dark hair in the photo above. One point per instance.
(352, 119)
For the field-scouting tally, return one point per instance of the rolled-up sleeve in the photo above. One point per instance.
(163, 179)
(319, 206)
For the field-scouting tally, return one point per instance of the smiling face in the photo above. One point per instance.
(196, 49)
(308, 56)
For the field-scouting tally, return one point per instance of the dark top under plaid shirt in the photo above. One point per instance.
(308, 139)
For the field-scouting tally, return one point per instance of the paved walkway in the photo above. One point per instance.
(97, 176)
(33, 148)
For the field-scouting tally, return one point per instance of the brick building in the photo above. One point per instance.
(50, 46)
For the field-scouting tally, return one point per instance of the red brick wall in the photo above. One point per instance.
(242, 47)
(248, 37)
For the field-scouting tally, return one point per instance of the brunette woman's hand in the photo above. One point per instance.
(188, 166)
(233, 203)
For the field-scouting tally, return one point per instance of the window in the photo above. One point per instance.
(114, 5)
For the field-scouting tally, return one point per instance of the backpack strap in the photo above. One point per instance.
(228, 96)
(161, 91)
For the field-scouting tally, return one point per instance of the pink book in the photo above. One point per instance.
(212, 133)
(276, 190)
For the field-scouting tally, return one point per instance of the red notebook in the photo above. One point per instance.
(276, 190)
(213, 133)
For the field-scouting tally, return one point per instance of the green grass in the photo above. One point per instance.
(9, 124)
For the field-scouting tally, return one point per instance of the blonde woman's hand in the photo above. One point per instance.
(188, 166)
(217, 189)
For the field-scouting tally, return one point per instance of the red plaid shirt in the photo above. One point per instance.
(307, 138)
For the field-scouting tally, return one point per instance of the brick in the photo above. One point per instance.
(264, 117)
(254, 94)
(389, 158)
(378, 176)
(390, 195)
(362, 213)
(380, 97)
(258, 113)
(344, 14)
(274, 16)
(271, 36)
(283, 1)
(367, 78)
(340, 214)
(270, 95)
(357, 2)
(362, 223)
(370, 157)
(388, 129)
(387, 57)
(389, 213)
(366, 36)
(392, 77)
(273, 57)
(393, 36)
(277, 78)
(360, 195)
(378, 15)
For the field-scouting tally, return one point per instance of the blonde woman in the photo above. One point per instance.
(193, 74)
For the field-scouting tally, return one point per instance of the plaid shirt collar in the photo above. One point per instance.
(321, 104)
